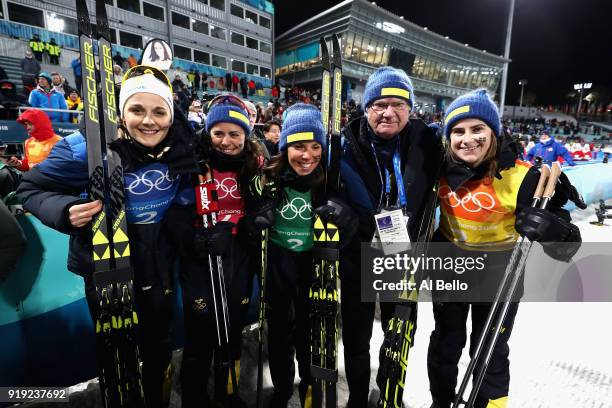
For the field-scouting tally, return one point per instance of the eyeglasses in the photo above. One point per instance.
(380, 107)
(139, 70)
(227, 99)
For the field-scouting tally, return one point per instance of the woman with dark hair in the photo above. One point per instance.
(159, 52)
(485, 194)
(297, 175)
(231, 160)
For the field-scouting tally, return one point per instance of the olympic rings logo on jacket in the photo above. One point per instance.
(153, 179)
(469, 201)
(297, 207)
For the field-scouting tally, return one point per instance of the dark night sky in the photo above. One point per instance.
(555, 43)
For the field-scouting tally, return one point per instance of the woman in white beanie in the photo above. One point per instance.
(157, 151)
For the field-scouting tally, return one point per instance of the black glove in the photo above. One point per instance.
(560, 238)
(342, 215)
(215, 240)
(263, 214)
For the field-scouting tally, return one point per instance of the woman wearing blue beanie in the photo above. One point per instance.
(484, 194)
(297, 176)
(231, 159)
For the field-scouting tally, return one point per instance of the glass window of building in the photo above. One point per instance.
(182, 52)
(265, 72)
(265, 47)
(252, 43)
(237, 39)
(252, 69)
(218, 61)
(217, 32)
(180, 20)
(201, 57)
(25, 15)
(356, 47)
(250, 16)
(109, 2)
(237, 66)
(153, 11)
(218, 4)
(61, 24)
(264, 22)
(199, 26)
(129, 5)
(130, 40)
(347, 41)
(236, 11)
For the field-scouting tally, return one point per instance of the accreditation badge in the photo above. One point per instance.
(392, 231)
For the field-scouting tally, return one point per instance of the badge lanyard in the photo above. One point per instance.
(397, 172)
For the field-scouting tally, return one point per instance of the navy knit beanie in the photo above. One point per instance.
(388, 82)
(228, 113)
(302, 124)
(473, 105)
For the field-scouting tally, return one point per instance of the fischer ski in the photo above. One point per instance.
(119, 362)
(323, 294)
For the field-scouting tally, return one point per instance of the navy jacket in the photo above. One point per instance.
(421, 158)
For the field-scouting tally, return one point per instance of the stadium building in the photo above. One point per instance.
(440, 67)
(212, 36)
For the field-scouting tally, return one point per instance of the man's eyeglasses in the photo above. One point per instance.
(227, 99)
(380, 107)
(139, 70)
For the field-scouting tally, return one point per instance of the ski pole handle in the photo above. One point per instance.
(555, 172)
(539, 191)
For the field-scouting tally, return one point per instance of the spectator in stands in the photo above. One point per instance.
(60, 84)
(3, 74)
(243, 86)
(37, 47)
(41, 140)
(271, 131)
(235, 83)
(30, 68)
(549, 150)
(177, 83)
(44, 96)
(118, 74)
(251, 86)
(54, 51)
(228, 82)
(132, 61)
(195, 87)
(10, 100)
(204, 81)
(118, 59)
(74, 103)
(195, 116)
(9, 176)
(76, 70)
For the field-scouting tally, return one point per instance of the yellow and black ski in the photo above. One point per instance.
(323, 294)
(118, 355)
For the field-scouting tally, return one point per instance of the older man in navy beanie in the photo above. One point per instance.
(389, 162)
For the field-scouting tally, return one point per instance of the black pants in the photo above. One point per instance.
(288, 281)
(201, 340)
(445, 346)
(154, 309)
(357, 323)
(54, 59)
